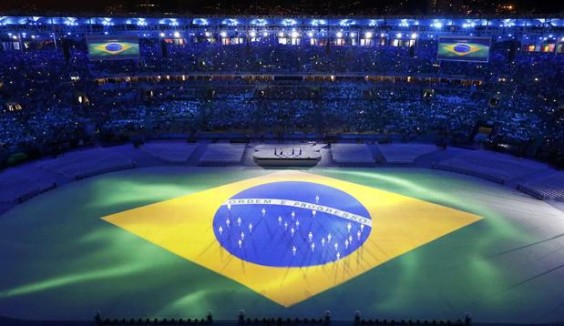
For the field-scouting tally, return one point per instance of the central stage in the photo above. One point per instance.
(287, 155)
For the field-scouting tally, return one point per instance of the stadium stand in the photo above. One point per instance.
(497, 168)
(352, 154)
(384, 84)
(17, 187)
(404, 153)
(550, 187)
(170, 152)
(222, 154)
(82, 164)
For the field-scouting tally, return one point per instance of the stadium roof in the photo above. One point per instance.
(406, 21)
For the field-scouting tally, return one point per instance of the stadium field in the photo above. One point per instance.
(155, 242)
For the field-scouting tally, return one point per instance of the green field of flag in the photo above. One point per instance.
(62, 260)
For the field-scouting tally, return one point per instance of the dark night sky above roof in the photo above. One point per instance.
(296, 7)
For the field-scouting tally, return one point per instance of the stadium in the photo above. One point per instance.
(281, 170)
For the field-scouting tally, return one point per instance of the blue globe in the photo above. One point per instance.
(292, 224)
(462, 48)
(113, 47)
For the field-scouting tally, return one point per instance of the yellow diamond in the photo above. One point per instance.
(183, 226)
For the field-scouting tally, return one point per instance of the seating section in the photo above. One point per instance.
(550, 187)
(404, 153)
(82, 164)
(17, 187)
(222, 154)
(491, 166)
(352, 154)
(170, 152)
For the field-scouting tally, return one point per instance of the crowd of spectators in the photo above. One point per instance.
(63, 105)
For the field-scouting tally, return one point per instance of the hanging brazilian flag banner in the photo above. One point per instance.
(291, 235)
(112, 47)
(471, 49)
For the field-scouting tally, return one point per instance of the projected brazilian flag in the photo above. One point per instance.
(112, 48)
(291, 235)
(472, 49)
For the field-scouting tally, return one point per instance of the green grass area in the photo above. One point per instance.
(61, 261)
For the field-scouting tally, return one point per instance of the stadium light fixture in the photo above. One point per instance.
(399, 35)
(310, 34)
(176, 34)
(318, 22)
(200, 21)
(508, 23)
(339, 34)
(404, 23)
(141, 22)
(437, 24)
(295, 34)
(162, 34)
(280, 34)
(253, 33)
(353, 34)
(265, 34)
(368, 34)
(413, 36)
(259, 22)
(230, 22)
(71, 21)
(289, 22)
(223, 34)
